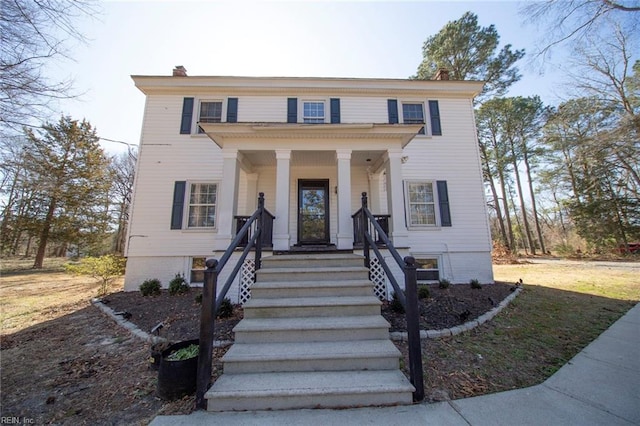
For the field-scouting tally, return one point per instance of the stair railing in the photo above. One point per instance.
(211, 303)
(408, 298)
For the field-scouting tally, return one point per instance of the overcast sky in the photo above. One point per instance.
(321, 39)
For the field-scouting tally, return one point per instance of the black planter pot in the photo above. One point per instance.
(177, 378)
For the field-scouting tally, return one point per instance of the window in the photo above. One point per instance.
(427, 269)
(197, 269)
(210, 112)
(202, 205)
(422, 206)
(413, 113)
(313, 112)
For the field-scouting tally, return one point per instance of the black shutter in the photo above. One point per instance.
(392, 106)
(292, 110)
(187, 116)
(443, 198)
(335, 111)
(434, 112)
(179, 188)
(232, 110)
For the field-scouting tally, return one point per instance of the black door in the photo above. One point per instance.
(313, 211)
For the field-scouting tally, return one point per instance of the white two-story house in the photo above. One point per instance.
(211, 144)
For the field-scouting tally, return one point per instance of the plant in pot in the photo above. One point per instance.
(178, 370)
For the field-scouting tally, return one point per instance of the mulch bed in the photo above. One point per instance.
(180, 314)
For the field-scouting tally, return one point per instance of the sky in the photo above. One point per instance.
(260, 38)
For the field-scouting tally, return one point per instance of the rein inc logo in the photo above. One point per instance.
(12, 420)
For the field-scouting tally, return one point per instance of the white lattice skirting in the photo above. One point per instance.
(247, 276)
(379, 279)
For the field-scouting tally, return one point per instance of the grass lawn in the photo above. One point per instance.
(561, 310)
(29, 296)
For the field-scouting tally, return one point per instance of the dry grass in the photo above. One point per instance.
(562, 309)
(29, 297)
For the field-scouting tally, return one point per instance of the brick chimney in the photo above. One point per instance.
(442, 74)
(179, 71)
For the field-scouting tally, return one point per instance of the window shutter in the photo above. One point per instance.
(335, 111)
(187, 116)
(392, 106)
(434, 112)
(232, 110)
(292, 110)
(443, 198)
(179, 188)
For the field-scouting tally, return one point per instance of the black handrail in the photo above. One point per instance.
(267, 229)
(380, 219)
(408, 298)
(211, 303)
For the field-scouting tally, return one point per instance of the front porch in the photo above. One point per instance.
(312, 177)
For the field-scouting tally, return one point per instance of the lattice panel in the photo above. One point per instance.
(379, 279)
(247, 278)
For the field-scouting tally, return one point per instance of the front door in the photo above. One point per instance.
(313, 211)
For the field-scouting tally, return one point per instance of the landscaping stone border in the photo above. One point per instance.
(401, 336)
(395, 335)
(136, 331)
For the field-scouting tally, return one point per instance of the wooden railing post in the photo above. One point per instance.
(364, 223)
(259, 229)
(207, 317)
(413, 327)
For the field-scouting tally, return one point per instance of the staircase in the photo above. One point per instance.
(312, 337)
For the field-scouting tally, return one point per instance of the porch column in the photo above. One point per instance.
(395, 199)
(252, 192)
(227, 202)
(281, 237)
(345, 225)
(375, 204)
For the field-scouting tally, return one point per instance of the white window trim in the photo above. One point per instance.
(196, 113)
(187, 205)
(436, 205)
(425, 112)
(325, 101)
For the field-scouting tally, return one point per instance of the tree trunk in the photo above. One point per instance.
(44, 235)
(496, 200)
(527, 230)
(533, 201)
(507, 213)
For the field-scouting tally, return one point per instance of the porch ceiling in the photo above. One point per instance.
(311, 158)
(241, 135)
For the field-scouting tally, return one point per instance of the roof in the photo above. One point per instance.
(312, 85)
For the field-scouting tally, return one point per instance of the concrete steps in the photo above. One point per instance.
(320, 389)
(312, 336)
(312, 329)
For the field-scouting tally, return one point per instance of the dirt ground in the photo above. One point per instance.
(78, 367)
(64, 362)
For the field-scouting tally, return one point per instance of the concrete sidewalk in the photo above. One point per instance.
(599, 386)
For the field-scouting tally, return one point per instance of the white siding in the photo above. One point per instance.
(363, 110)
(452, 157)
(262, 109)
(156, 251)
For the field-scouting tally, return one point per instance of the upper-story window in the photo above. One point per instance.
(210, 112)
(413, 113)
(313, 112)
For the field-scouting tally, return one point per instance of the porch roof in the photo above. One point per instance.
(397, 134)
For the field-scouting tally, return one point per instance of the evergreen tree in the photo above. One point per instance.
(71, 177)
(469, 52)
